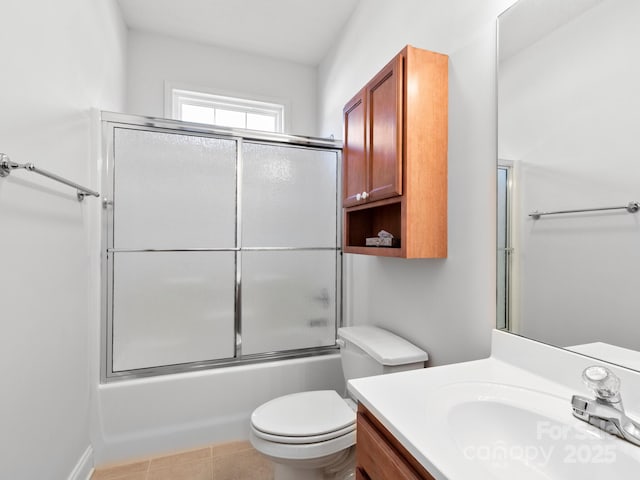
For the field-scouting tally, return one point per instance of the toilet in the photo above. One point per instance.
(312, 435)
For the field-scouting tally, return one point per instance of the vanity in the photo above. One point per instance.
(502, 418)
(379, 454)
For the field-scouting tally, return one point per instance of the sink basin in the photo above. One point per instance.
(512, 433)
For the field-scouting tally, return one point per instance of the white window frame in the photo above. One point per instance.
(177, 95)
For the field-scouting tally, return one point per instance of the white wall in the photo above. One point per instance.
(59, 59)
(570, 112)
(155, 59)
(445, 306)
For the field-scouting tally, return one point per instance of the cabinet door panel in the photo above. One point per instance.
(385, 132)
(354, 152)
(377, 457)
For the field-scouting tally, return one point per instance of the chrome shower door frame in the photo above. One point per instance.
(109, 123)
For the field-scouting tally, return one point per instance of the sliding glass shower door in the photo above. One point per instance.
(219, 249)
(289, 241)
(174, 240)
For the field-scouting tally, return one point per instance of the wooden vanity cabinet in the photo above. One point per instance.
(379, 455)
(395, 158)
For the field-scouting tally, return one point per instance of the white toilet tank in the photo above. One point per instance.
(367, 351)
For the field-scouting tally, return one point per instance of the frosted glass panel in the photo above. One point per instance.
(288, 196)
(288, 300)
(173, 191)
(172, 307)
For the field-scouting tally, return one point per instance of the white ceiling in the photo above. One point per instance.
(296, 30)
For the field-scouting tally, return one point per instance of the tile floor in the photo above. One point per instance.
(224, 461)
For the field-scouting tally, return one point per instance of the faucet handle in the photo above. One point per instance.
(604, 383)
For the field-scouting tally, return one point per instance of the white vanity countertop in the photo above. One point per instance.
(407, 403)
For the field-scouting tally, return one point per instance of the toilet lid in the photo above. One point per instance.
(305, 414)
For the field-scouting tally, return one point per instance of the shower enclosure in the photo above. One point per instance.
(220, 246)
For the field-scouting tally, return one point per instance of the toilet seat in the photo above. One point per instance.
(313, 452)
(303, 418)
(298, 440)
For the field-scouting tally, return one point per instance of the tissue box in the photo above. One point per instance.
(382, 242)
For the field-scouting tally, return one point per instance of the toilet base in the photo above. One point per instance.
(340, 467)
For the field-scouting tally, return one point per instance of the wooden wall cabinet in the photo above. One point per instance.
(373, 138)
(379, 455)
(395, 158)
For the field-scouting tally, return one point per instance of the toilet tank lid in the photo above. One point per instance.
(383, 346)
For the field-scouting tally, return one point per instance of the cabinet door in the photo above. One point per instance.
(354, 178)
(361, 475)
(378, 458)
(385, 112)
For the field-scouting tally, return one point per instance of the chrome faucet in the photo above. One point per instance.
(605, 411)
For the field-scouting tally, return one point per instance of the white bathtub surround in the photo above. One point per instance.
(431, 412)
(168, 413)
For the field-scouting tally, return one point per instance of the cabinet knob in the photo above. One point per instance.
(364, 195)
(358, 196)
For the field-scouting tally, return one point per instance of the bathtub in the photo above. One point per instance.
(142, 417)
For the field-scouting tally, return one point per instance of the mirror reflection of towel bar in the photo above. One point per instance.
(631, 207)
(6, 166)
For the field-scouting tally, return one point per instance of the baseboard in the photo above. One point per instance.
(84, 467)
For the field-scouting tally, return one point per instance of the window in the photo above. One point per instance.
(224, 111)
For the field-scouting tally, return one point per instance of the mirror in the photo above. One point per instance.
(569, 147)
